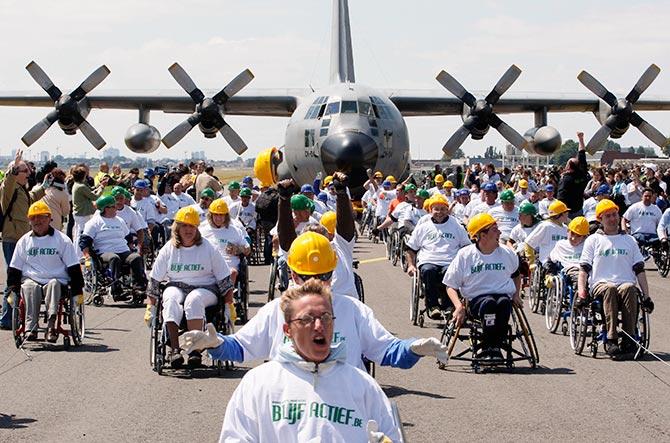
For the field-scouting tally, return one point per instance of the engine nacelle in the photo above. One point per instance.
(544, 140)
(142, 138)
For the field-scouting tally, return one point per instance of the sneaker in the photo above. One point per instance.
(612, 349)
(194, 359)
(52, 336)
(434, 313)
(175, 359)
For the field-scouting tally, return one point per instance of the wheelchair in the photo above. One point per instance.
(257, 256)
(560, 294)
(662, 260)
(398, 239)
(518, 346)
(159, 339)
(154, 240)
(358, 282)
(366, 222)
(241, 290)
(588, 323)
(537, 290)
(98, 283)
(69, 313)
(417, 315)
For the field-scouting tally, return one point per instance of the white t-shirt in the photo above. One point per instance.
(384, 199)
(519, 234)
(343, 275)
(438, 243)
(474, 273)
(481, 207)
(132, 219)
(220, 238)
(664, 225)
(643, 219)
(43, 258)
(611, 257)
(519, 197)
(108, 233)
(245, 214)
(545, 236)
(184, 199)
(356, 324)
(589, 209)
(543, 206)
(195, 265)
(172, 204)
(146, 208)
(506, 220)
(566, 254)
(459, 212)
(281, 402)
(320, 207)
(230, 200)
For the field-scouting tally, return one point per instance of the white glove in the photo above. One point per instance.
(198, 340)
(430, 346)
(374, 436)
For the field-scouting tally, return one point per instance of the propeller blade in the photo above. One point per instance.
(452, 85)
(181, 130)
(507, 79)
(43, 80)
(235, 85)
(648, 130)
(92, 135)
(596, 87)
(510, 134)
(598, 139)
(233, 139)
(40, 128)
(185, 81)
(456, 140)
(643, 83)
(91, 82)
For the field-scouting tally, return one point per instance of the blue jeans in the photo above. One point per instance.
(7, 251)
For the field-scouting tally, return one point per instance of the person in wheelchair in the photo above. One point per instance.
(244, 212)
(567, 253)
(405, 215)
(136, 224)
(195, 272)
(106, 236)
(641, 220)
(44, 261)
(610, 265)
(527, 222)
(486, 275)
(226, 237)
(663, 229)
(432, 247)
(150, 208)
(206, 198)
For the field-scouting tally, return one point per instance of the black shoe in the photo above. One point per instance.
(496, 354)
(194, 359)
(120, 297)
(612, 349)
(175, 359)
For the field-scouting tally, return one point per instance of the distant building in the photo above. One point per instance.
(44, 156)
(111, 153)
(198, 155)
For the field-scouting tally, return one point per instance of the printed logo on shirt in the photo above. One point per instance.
(643, 213)
(487, 267)
(293, 411)
(186, 267)
(557, 237)
(613, 252)
(436, 235)
(34, 252)
(337, 337)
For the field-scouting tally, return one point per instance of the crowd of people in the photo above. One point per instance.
(470, 234)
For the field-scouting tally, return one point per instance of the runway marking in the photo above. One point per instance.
(372, 260)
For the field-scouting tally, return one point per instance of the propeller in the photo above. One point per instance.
(622, 114)
(208, 110)
(68, 112)
(480, 111)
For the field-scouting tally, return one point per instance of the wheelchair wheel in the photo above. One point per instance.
(18, 320)
(528, 340)
(662, 259)
(157, 346)
(403, 259)
(643, 332)
(77, 323)
(578, 329)
(358, 282)
(414, 299)
(535, 289)
(554, 307)
(274, 277)
(395, 247)
(241, 293)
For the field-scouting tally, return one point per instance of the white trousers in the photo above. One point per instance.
(194, 303)
(79, 222)
(33, 292)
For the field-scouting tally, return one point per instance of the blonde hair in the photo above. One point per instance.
(226, 220)
(310, 287)
(176, 238)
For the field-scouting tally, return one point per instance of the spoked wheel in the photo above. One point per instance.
(395, 248)
(644, 333)
(663, 261)
(18, 321)
(273, 280)
(554, 309)
(414, 300)
(358, 282)
(157, 350)
(403, 259)
(528, 337)
(578, 329)
(77, 323)
(534, 290)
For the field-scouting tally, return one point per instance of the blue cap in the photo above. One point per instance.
(462, 192)
(549, 188)
(248, 179)
(603, 190)
(141, 184)
(306, 188)
(149, 172)
(323, 197)
(386, 183)
(490, 187)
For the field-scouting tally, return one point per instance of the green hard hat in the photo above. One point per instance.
(527, 208)
(246, 192)
(300, 202)
(423, 193)
(507, 195)
(104, 202)
(410, 187)
(234, 185)
(208, 192)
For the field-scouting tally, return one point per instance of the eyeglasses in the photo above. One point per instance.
(308, 320)
(320, 277)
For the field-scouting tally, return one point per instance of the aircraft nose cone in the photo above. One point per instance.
(351, 153)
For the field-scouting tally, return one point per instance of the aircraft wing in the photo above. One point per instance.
(259, 102)
(413, 103)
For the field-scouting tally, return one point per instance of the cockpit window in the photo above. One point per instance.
(317, 108)
(332, 108)
(349, 107)
(379, 108)
(364, 108)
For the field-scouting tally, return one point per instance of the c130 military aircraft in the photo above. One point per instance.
(346, 126)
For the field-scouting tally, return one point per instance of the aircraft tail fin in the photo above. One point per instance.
(341, 55)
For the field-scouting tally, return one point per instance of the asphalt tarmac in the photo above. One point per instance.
(106, 391)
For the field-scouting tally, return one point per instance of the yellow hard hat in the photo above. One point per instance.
(437, 199)
(605, 205)
(480, 222)
(311, 254)
(439, 178)
(329, 221)
(188, 215)
(328, 180)
(378, 174)
(38, 208)
(426, 203)
(557, 207)
(448, 184)
(579, 226)
(263, 168)
(523, 184)
(391, 179)
(219, 206)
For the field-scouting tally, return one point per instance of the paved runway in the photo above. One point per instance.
(106, 391)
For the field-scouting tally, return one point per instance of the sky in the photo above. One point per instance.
(286, 44)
